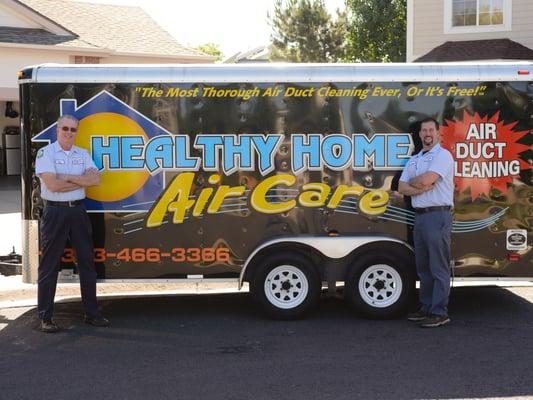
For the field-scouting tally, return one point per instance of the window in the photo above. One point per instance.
(86, 60)
(477, 15)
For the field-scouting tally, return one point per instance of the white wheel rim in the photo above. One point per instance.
(286, 287)
(380, 286)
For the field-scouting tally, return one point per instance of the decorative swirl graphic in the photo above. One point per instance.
(346, 206)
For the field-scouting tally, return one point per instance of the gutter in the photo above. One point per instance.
(108, 52)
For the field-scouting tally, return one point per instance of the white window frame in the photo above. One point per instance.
(506, 26)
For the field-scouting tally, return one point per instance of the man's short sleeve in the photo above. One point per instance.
(88, 161)
(44, 162)
(442, 163)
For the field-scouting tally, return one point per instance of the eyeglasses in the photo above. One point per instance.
(66, 129)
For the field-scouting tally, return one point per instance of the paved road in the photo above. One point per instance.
(217, 347)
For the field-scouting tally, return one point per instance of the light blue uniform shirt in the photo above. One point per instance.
(54, 159)
(436, 160)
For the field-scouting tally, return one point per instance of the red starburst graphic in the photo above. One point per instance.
(485, 151)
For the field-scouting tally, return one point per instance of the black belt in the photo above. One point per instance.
(434, 208)
(71, 203)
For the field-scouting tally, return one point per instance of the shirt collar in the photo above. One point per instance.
(433, 150)
(57, 148)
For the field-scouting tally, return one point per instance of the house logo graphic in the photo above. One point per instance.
(104, 119)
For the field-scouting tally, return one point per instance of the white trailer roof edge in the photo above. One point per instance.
(278, 73)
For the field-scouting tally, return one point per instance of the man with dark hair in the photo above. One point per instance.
(65, 171)
(428, 179)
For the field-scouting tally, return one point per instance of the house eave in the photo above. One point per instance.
(39, 18)
(70, 49)
(184, 57)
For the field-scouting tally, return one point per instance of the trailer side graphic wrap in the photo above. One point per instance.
(196, 176)
(105, 121)
(132, 151)
(486, 152)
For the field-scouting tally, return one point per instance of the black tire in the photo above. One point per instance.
(293, 285)
(381, 285)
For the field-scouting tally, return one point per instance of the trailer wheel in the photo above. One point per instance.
(286, 285)
(380, 286)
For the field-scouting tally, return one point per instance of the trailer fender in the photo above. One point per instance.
(333, 247)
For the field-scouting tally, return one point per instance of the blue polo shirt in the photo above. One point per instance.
(54, 159)
(436, 160)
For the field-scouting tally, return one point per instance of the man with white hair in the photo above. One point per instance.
(65, 171)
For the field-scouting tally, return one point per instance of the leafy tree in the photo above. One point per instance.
(304, 31)
(376, 30)
(211, 49)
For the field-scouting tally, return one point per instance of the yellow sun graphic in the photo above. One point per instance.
(114, 185)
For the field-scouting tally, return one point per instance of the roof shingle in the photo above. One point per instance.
(469, 50)
(122, 29)
(40, 37)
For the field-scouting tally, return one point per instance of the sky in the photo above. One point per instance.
(234, 25)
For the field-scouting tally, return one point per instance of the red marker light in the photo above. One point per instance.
(523, 72)
(513, 256)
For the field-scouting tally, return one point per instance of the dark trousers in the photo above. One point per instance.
(57, 224)
(432, 237)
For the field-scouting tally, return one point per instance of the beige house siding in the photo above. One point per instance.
(9, 17)
(427, 21)
(13, 59)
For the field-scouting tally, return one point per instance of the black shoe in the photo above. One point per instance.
(97, 321)
(434, 321)
(48, 326)
(418, 316)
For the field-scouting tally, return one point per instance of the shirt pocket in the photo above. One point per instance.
(411, 168)
(77, 166)
(423, 165)
(60, 166)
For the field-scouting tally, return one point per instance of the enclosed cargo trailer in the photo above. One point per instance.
(285, 176)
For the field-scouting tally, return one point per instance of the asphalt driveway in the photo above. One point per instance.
(218, 347)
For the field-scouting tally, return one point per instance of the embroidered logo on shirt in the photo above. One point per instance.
(40, 153)
(77, 161)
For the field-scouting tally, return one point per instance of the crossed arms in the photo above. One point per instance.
(419, 184)
(60, 183)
